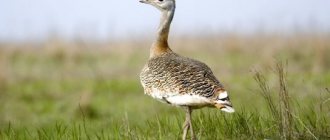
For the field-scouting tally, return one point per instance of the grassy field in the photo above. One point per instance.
(58, 89)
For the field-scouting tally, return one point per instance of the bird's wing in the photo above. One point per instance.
(181, 75)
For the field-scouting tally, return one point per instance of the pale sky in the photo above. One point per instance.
(104, 19)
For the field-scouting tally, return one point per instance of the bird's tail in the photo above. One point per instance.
(222, 101)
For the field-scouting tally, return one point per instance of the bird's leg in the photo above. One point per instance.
(192, 135)
(188, 124)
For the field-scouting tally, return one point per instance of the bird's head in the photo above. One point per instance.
(222, 101)
(162, 5)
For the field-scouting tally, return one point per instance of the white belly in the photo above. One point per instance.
(179, 99)
(189, 100)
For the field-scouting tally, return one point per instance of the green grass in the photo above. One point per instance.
(68, 90)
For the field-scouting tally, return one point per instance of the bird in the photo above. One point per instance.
(177, 80)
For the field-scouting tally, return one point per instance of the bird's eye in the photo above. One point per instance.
(161, 0)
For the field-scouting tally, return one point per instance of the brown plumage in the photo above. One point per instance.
(174, 74)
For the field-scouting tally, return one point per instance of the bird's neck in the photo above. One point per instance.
(160, 46)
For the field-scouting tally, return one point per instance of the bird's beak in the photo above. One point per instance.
(144, 1)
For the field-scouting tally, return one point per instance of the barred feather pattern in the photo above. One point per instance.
(172, 74)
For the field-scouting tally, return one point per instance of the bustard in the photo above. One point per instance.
(178, 80)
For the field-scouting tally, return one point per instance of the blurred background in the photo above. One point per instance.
(67, 60)
(111, 19)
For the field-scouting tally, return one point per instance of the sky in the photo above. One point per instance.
(104, 19)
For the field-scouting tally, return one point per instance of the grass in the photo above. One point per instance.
(58, 89)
